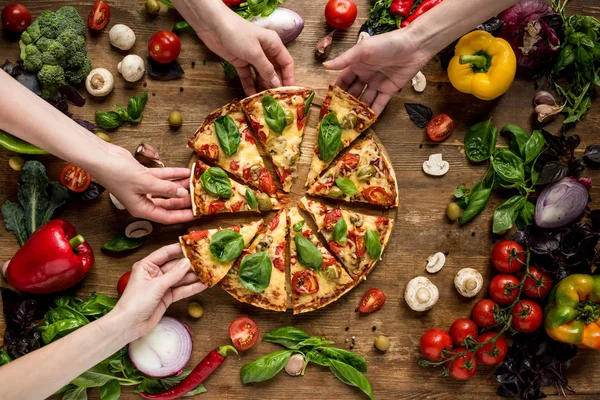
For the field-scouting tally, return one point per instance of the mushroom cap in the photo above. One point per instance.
(421, 294)
(435, 165)
(105, 78)
(468, 282)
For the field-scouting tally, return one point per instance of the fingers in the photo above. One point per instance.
(245, 74)
(174, 274)
(164, 254)
(188, 279)
(183, 292)
(344, 60)
(170, 173)
(168, 217)
(380, 102)
(356, 88)
(369, 95)
(286, 66)
(345, 79)
(173, 204)
(164, 188)
(265, 69)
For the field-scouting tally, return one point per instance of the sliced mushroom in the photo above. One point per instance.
(148, 156)
(116, 202)
(421, 294)
(295, 365)
(435, 262)
(435, 166)
(138, 229)
(419, 82)
(468, 282)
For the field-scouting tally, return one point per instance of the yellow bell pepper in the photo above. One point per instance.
(483, 65)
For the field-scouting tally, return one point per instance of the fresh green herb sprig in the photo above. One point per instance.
(111, 120)
(121, 243)
(255, 8)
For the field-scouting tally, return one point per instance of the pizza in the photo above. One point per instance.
(258, 276)
(278, 117)
(225, 139)
(364, 173)
(313, 286)
(196, 246)
(343, 118)
(358, 240)
(213, 192)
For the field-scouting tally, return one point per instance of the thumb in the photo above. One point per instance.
(164, 188)
(342, 61)
(175, 274)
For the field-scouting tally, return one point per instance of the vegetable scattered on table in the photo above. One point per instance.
(175, 119)
(340, 14)
(287, 23)
(121, 243)
(74, 178)
(111, 120)
(122, 283)
(243, 333)
(195, 310)
(99, 15)
(121, 36)
(15, 17)
(131, 68)
(164, 47)
(99, 82)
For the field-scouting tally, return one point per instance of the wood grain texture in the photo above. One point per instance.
(421, 227)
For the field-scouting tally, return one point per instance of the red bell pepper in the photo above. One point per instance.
(401, 7)
(422, 9)
(53, 259)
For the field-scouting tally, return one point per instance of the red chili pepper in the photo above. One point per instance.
(231, 3)
(203, 370)
(53, 259)
(422, 9)
(401, 7)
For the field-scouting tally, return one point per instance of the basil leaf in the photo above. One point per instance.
(4, 357)
(308, 102)
(136, 106)
(308, 254)
(526, 215)
(226, 245)
(298, 226)
(314, 342)
(508, 166)
(96, 376)
(419, 114)
(251, 198)
(265, 367)
(340, 231)
(228, 134)
(330, 137)
(217, 183)
(230, 71)
(316, 357)
(506, 214)
(167, 3)
(480, 141)
(592, 155)
(183, 27)
(121, 243)
(477, 202)
(345, 356)
(350, 376)
(373, 244)
(75, 393)
(347, 185)
(274, 113)
(108, 120)
(534, 146)
(255, 271)
(518, 138)
(122, 112)
(287, 336)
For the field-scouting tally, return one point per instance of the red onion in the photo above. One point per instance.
(164, 351)
(560, 203)
(287, 23)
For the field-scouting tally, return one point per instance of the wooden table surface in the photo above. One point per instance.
(421, 227)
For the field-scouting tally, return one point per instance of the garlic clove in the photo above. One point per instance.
(116, 202)
(543, 97)
(323, 47)
(295, 365)
(419, 83)
(435, 262)
(138, 229)
(545, 113)
(147, 155)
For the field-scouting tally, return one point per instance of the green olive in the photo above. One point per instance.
(152, 7)
(382, 343)
(103, 136)
(175, 119)
(366, 172)
(349, 121)
(289, 117)
(195, 310)
(264, 202)
(333, 272)
(293, 159)
(453, 211)
(336, 192)
(16, 163)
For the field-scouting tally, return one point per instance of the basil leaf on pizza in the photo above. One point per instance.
(308, 254)
(347, 185)
(330, 137)
(373, 244)
(226, 245)
(274, 114)
(216, 182)
(255, 271)
(251, 198)
(308, 102)
(228, 134)
(340, 231)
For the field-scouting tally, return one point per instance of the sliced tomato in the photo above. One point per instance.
(122, 283)
(300, 120)
(274, 223)
(215, 207)
(331, 218)
(164, 47)
(209, 151)
(265, 181)
(325, 107)
(351, 160)
(99, 16)
(371, 301)
(335, 247)
(279, 264)
(197, 235)
(305, 282)
(200, 168)
(359, 241)
(440, 127)
(74, 178)
(378, 195)
(327, 261)
(249, 138)
(234, 165)
(236, 206)
(243, 333)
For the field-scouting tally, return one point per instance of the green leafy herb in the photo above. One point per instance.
(508, 166)
(480, 141)
(330, 137)
(340, 231)
(265, 367)
(167, 3)
(183, 27)
(226, 245)
(298, 226)
(274, 114)
(111, 120)
(135, 108)
(111, 390)
(477, 202)
(75, 393)
(345, 356)
(526, 215)
(518, 138)
(5, 358)
(380, 19)
(347, 185)
(308, 102)
(506, 214)
(373, 244)
(534, 147)
(229, 69)
(255, 271)
(288, 336)
(308, 254)
(228, 134)
(350, 376)
(251, 198)
(120, 243)
(312, 342)
(217, 183)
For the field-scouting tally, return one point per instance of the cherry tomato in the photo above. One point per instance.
(99, 16)
(122, 283)
(305, 282)
(164, 47)
(351, 160)
(504, 289)
(197, 235)
(371, 301)
(464, 367)
(527, 316)
(331, 218)
(16, 17)
(491, 353)
(508, 256)
(440, 127)
(243, 333)
(74, 178)
(433, 342)
(378, 195)
(538, 284)
(340, 14)
(210, 151)
(463, 330)
(483, 313)
(265, 181)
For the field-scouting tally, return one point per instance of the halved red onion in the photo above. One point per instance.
(287, 23)
(560, 203)
(164, 351)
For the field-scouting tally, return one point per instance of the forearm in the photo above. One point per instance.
(41, 373)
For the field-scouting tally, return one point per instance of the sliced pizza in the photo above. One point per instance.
(317, 277)
(363, 174)
(225, 139)
(258, 275)
(213, 192)
(343, 118)
(358, 240)
(213, 252)
(278, 117)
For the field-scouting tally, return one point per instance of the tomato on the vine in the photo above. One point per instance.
(491, 353)
(243, 333)
(15, 17)
(372, 301)
(483, 313)
(74, 178)
(122, 283)
(504, 289)
(508, 256)
(462, 331)
(340, 14)
(440, 127)
(433, 342)
(527, 316)
(537, 284)
(99, 16)
(463, 367)
(164, 47)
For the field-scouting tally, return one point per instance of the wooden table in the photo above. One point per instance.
(421, 226)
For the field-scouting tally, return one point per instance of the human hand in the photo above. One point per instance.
(156, 282)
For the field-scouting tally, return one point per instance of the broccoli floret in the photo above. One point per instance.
(31, 57)
(74, 45)
(54, 54)
(32, 33)
(51, 78)
(75, 76)
(71, 19)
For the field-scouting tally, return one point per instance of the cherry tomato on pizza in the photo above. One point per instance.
(440, 127)
(371, 301)
(492, 353)
(508, 256)
(340, 14)
(433, 342)
(463, 331)
(331, 218)
(243, 333)
(74, 178)
(305, 282)
(378, 195)
(527, 316)
(15, 17)
(504, 289)
(538, 284)
(99, 16)
(463, 367)
(483, 313)
(265, 181)
(122, 283)
(164, 47)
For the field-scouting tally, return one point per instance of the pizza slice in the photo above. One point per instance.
(278, 117)
(213, 192)
(358, 240)
(258, 275)
(213, 252)
(225, 139)
(363, 174)
(343, 118)
(317, 277)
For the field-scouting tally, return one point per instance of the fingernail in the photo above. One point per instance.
(275, 82)
(184, 263)
(181, 192)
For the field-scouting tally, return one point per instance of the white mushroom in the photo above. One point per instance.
(468, 282)
(132, 68)
(435, 166)
(295, 365)
(435, 262)
(138, 229)
(421, 294)
(99, 82)
(419, 83)
(116, 202)
(121, 36)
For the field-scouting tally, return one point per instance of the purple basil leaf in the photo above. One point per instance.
(86, 124)
(91, 193)
(419, 114)
(164, 72)
(72, 95)
(30, 81)
(592, 155)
